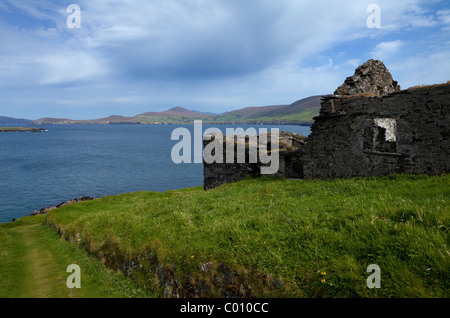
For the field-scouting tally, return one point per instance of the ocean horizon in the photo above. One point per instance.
(69, 161)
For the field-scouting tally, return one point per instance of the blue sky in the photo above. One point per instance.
(135, 56)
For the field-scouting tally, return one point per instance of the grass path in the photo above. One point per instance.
(44, 276)
(33, 263)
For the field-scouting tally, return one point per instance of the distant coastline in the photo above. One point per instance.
(21, 129)
(206, 122)
(300, 113)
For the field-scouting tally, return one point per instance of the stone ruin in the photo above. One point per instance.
(289, 152)
(368, 127)
(371, 78)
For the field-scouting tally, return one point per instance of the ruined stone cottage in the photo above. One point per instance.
(368, 127)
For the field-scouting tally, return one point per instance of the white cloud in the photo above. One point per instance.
(385, 50)
(226, 53)
(444, 17)
(406, 15)
(69, 67)
(427, 69)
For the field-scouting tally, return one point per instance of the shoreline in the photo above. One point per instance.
(21, 129)
(46, 209)
(64, 203)
(303, 124)
(50, 208)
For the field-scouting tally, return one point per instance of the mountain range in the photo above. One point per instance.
(14, 121)
(299, 112)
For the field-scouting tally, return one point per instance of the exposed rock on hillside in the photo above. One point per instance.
(21, 129)
(372, 77)
(49, 208)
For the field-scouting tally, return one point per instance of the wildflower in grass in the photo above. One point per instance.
(323, 279)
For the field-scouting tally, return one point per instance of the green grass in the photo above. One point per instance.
(17, 129)
(163, 119)
(34, 259)
(284, 233)
(305, 116)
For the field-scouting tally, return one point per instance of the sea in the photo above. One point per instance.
(69, 161)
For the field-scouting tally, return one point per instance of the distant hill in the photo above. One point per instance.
(13, 121)
(299, 112)
(47, 120)
(208, 113)
(114, 119)
(175, 112)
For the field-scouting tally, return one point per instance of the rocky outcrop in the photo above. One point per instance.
(21, 129)
(404, 132)
(49, 208)
(371, 78)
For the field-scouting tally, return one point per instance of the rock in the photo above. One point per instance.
(46, 209)
(372, 77)
(85, 198)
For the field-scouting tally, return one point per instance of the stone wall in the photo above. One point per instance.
(211, 279)
(369, 127)
(403, 132)
(290, 155)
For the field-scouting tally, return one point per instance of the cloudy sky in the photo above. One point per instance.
(134, 56)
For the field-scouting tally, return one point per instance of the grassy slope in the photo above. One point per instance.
(301, 111)
(298, 116)
(164, 119)
(295, 117)
(34, 259)
(288, 230)
(303, 116)
(17, 129)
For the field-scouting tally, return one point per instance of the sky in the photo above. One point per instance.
(135, 56)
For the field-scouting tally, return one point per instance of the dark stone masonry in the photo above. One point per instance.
(370, 78)
(369, 127)
(290, 154)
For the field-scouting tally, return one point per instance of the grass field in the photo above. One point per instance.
(287, 238)
(19, 129)
(34, 259)
(305, 116)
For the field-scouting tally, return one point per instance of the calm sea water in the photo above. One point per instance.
(69, 161)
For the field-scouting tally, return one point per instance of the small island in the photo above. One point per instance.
(21, 129)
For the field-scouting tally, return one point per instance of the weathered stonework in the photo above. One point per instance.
(290, 153)
(209, 279)
(368, 128)
(404, 132)
(371, 78)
